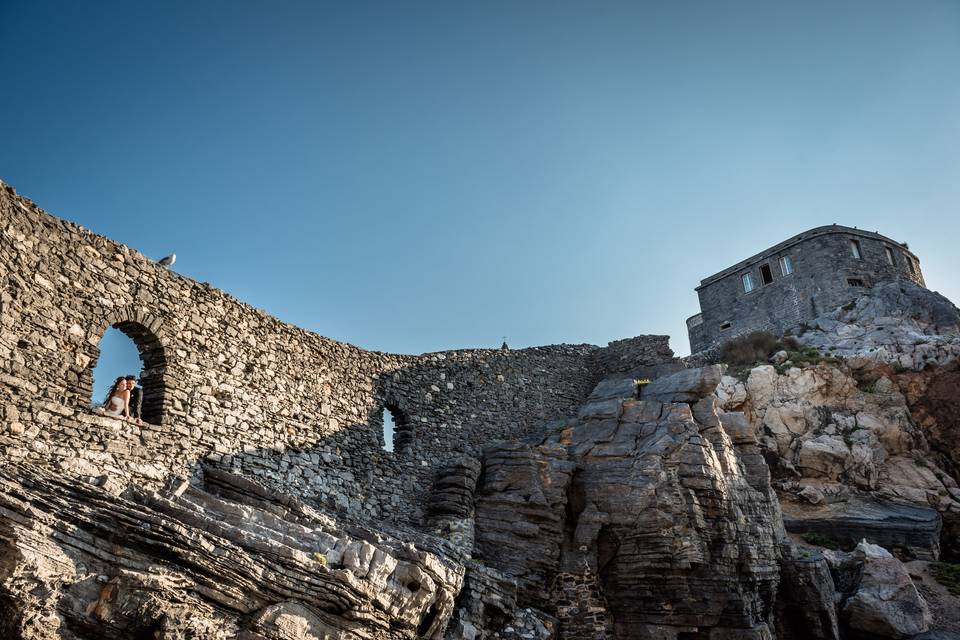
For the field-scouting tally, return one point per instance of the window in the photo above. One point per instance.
(786, 265)
(747, 282)
(766, 275)
(889, 252)
(855, 249)
(115, 356)
(724, 326)
(397, 434)
(855, 282)
(913, 268)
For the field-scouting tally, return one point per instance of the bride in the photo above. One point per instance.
(118, 399)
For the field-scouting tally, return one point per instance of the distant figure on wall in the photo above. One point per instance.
(118, 399)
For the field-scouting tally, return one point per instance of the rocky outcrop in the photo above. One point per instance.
(521, 512)
(882, 602)
(487, 608)
(806, 600)
(450, 507)
(641, 514)
(848, 458)
(230, 560)
(896, 322)
(911, 530)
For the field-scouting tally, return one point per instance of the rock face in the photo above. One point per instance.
(229, 561)
(912, 530)
(806, 600)
(638, 518)
(897, 322)
(848, 458)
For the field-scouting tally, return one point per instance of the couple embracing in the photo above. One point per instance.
(125, 398)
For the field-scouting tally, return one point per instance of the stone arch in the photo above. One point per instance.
(145, 330)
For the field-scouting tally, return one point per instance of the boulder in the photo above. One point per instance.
(886, 603)
(824, 456)
(688, 385)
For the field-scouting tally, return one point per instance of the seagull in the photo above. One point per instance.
(169, 260)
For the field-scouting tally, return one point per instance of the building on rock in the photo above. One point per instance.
(795, 281)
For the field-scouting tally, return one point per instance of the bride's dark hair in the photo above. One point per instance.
(113, 389)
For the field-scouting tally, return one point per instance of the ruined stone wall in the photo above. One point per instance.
(232, 386)
(823, 268)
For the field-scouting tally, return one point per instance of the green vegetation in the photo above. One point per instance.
(319, 557)
(806, 356)
(849, 306)
(820, 540)
(948, 575)
(755, 348)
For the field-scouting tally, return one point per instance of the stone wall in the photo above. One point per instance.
(229, 385)
(825, 275)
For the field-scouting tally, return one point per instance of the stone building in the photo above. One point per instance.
(795, 281)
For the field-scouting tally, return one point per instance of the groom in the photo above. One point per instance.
(136, 397)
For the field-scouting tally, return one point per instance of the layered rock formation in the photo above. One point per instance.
(638, 518)
(229, 560)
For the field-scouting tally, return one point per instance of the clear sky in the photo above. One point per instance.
(414, 176)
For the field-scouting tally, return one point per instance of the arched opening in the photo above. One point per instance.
(119, 356)
(396, 431)
(130, 348)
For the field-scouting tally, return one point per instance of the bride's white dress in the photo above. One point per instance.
(114, 407)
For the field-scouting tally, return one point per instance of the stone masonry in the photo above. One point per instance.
(823, 273)
(230, 386)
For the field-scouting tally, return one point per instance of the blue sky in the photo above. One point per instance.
(422, 176)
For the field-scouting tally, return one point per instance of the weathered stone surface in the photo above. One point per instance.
(487, 608)
(521, 512)
(81, 563)
(661, 530)
(600, 510)
(845, 437)
(230, 384)
(886, 603)
(895, 322)
(911, 528)
(688, 385)
(806, 600)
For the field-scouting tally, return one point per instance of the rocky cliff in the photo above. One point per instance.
(809, 495)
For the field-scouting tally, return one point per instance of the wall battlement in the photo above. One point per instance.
(796, 280)
(229, 385)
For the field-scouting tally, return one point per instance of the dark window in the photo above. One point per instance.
(889, 252)
(724, 326)
(766, 276)
(855, 282)
(913, 268)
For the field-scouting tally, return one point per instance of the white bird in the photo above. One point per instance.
(169, 260)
